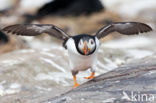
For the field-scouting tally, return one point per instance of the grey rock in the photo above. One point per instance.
(132, 83)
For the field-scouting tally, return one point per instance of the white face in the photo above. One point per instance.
(86, 46)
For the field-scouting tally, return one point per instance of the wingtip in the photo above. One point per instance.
(146, 27)
(149, 28)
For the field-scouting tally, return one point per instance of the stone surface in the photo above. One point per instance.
(131, 83)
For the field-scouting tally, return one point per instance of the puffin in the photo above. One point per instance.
(82, 48)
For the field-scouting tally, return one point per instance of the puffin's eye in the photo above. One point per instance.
(92, 42)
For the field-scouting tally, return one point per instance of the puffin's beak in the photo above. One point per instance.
(85, 48)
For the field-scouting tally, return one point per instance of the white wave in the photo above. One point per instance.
(9, 62)
(25, 51)
(119, 61)
(13, 88)
(46, 49)
(44, 89)
(48, 54)
(128, 42)
(111, 63)
(2, 82)
(58, 77)
(138, 54)
(103, 66)
(53, 64)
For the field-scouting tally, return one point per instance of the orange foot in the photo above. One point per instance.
(91, 76)
(76, 85)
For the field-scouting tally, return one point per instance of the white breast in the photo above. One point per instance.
(78, 61)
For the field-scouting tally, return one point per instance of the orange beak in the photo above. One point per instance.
(85, 49)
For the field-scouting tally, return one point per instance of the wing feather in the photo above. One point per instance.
(126, 28)
(36, 29)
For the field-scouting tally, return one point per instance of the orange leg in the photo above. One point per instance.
(75, 82)
(91, 76)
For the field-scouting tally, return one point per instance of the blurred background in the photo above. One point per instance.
(31, 68)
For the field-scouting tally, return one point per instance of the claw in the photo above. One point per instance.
(91, 76)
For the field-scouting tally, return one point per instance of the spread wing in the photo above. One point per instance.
(126, 28)
(36, 29)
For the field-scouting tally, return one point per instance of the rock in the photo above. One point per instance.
(131, 83)
(3, 38)
(69, 7)
(9, 43)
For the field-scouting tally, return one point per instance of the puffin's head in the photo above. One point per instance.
(86, 45)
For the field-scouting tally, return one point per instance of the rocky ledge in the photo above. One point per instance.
(132, 83)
